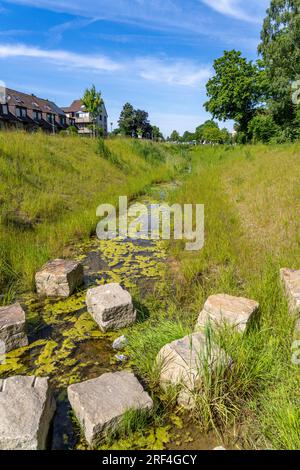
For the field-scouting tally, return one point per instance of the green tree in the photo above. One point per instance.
(188, 136)
(156, 133)
(201, 131)
(175, 137)
(262, 128)
(92, 102)
(134, 122)
(236, 89)
(126, 121)
(141, 123)
(225, 136)
(280, 50)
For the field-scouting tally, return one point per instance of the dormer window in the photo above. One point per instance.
(21, 112)
(37, 115)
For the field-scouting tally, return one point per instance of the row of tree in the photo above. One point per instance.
(261, 97)
(209, 133)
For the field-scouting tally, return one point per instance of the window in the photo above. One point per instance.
(37, 115)
(100, 117)
(21, 112)
(82, 115)
(62, 120)
(4, 109)
(50, 118)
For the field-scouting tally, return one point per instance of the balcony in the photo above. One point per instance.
(83, 120)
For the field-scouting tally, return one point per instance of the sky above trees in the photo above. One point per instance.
(155, 54)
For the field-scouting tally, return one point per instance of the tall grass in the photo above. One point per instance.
(50, 188)
(252, 206)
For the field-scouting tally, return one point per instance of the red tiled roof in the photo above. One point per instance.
(75, 107)
(32, 102)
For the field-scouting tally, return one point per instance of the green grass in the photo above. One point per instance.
(252, 206)
(50, 187)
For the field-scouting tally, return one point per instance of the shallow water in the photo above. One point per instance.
(67, 345)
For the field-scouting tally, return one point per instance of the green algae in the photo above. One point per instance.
(74, 349)
(152, 439)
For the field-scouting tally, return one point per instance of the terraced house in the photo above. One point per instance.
(84, 120)
(23, 111)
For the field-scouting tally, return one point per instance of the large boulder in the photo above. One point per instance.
(111, 307)
(99, 404)
(26, 410)
(59, 278)
(12, 328)
(223, 309)
(183, 362)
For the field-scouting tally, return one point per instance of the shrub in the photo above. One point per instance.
(262, 128)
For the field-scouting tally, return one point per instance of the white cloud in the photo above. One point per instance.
(169, 72)
(182, 72)
(60, 57)
(239, 9)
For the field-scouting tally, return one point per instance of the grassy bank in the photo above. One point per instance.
(50, 187)
(252, 206)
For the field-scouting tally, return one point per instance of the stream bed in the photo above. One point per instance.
(66, 344)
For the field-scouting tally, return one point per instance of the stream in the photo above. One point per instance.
(67, 345)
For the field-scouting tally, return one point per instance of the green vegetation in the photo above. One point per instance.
(251, 197)
(207, 133)
(50, 188)
(264, 94)
(135, 123)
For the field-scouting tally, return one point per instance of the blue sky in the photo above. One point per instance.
(156, 54)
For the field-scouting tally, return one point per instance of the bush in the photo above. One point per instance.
(262, 128)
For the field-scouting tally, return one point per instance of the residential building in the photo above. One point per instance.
(84, 120)
(24, 111)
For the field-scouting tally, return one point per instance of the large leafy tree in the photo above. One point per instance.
(133, 122)
(188, 136)
(92, 102)
(235, 90)
(175, 136)
(127, 124)
(204, 129)
(141, 123)
(280, 49)
(156, 133)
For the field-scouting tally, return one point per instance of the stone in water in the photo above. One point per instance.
(100, 404)
(111, 307)
(59, 278)
(26, 410)
(182, 363)
(12, 328)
